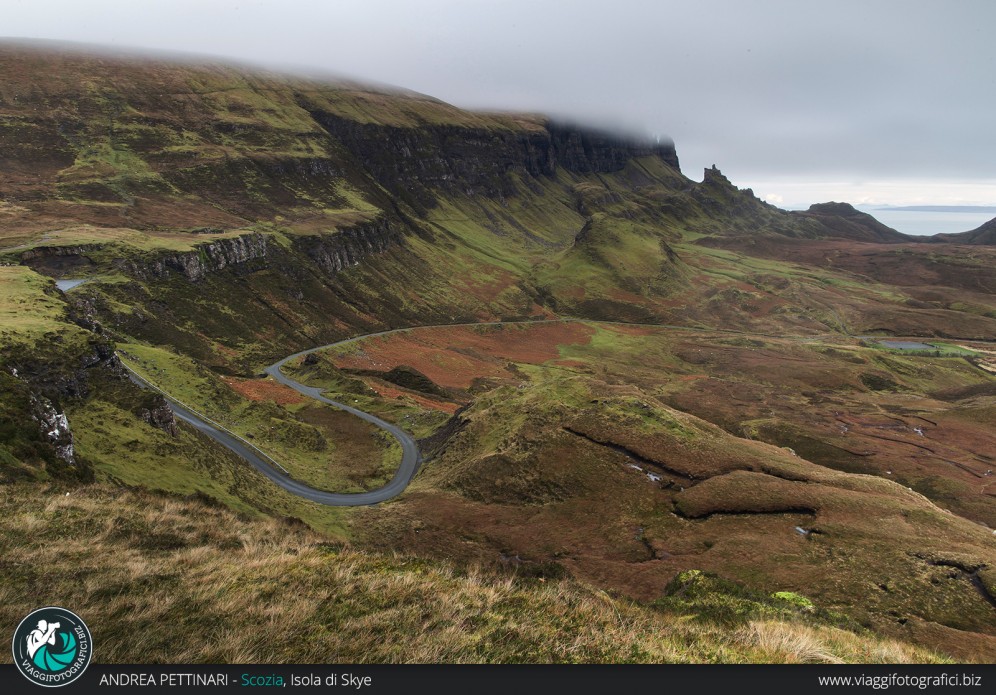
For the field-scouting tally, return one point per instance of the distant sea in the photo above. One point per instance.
(926, 223)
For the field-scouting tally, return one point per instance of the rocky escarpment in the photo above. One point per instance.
(339, 249)
(586, 150)
(332, 251)
(244, 253)
(412, 162)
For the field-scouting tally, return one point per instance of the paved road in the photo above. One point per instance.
(411, 458)
(277, 474)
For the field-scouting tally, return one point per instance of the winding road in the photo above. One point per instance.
(411, 458)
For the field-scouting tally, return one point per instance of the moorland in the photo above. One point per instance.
(658, 419)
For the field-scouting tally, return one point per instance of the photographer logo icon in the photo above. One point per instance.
(52, 646)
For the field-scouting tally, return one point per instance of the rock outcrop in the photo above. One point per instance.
(245, 253)
(339, 249)
(718, 195)
(160, 416)
(54, 427)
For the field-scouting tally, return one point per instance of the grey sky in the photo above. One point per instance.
(887, 102)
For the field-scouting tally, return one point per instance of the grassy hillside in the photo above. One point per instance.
(44, 353)
(316, 444)
(196, 583)
(32, 313)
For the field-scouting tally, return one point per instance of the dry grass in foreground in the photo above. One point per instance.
(161, 579)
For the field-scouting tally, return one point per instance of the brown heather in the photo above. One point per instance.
(164, 579)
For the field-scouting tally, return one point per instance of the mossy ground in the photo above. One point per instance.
(33, 313)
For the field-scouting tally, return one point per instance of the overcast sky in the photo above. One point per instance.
(874, 102)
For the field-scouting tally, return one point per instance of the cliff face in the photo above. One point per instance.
(412, 162)
(583, 150)
(333, 252)
(245, 253)
(126, 141)
(242, 253)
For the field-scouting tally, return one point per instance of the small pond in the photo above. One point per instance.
(66, 285)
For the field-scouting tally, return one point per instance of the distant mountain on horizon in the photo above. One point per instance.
(933, 208)
(847, 222)
(981, 236)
